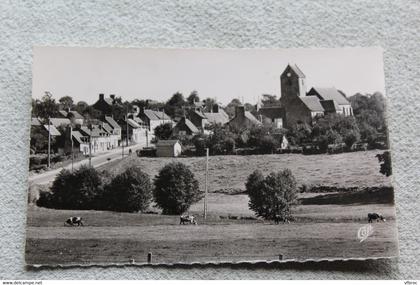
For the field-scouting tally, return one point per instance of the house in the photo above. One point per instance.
(202, 119)
(132, 132)
(116, 128)
(60, 122)
(105, 105)
(185, 128)
(113, 139)
(73, 116)
(298, 106)
(168, 148)
(151, 119)
(98, 137)
(243, 119)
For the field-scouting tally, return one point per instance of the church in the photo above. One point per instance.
(297, 105)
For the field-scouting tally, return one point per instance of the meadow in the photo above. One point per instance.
(325, 226)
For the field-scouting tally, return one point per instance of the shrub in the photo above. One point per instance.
(176, 189)
(272, 195)
(351, 137)
(385, 163)
(268, 144)
(163, 131)
(130, 191)
(80, 190)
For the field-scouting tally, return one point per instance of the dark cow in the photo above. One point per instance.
(187, 219)
(74, 221)
(278, 219)
(375, 217)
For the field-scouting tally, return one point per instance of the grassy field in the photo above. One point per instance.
(325, 225)
(229, 173)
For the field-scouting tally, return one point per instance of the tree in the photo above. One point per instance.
(176, 189)
(193, 98)
(385, 163)
(66, 102)
(175, 106)
(130, 191)
(230, 108)
(163, 131)
(80, 190)
(208, 104)
(351, 137)
(46, 107)
(269, 100)
(273, 195)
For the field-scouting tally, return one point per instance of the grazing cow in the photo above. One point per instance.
(74, 221)
(278, 219)
(187, 219)
(375, 216)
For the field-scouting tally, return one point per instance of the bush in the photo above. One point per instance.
(130, 191)
(273, 195)
(163, 131)
(80, 190)
(268, 144)
(176, 189)
(351, 137)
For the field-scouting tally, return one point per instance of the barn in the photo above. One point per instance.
(168, 148)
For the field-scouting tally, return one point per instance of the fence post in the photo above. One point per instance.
(149, 257)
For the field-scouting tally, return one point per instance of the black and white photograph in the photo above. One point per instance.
(180, 156)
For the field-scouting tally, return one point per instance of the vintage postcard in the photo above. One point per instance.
(185, 156)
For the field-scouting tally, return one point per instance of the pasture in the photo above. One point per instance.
(325, 225)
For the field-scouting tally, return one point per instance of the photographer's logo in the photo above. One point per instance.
(364, 232)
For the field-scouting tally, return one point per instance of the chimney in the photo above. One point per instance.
(215, 108)
(240, 111)
(101, 96)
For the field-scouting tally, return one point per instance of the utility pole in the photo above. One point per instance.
(72, 153)
(49, 143)
(206, 185)
(90, 146)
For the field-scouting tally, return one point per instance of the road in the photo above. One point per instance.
(98, 160)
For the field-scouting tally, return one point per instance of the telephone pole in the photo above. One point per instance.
(90, 146)
(72, 153)
(49, 143)
(206, 185)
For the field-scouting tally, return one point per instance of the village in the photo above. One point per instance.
(69, 131)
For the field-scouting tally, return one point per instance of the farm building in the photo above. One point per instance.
(168, 148)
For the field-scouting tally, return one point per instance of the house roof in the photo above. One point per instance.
(35, 122)
(329, 105)
(273, 112)
(312, 102)
(53, 130)
(330, 94)
(59, 121)
(107, 127)
(75, 114)
(133, 123)
(96, 131)
(112, 122)
(78, 136)
(216, 118)
(166, 142)
(138, 120)
(63, 113)
(156, 115)
(189, 125)
(199, 113)
(252, 118)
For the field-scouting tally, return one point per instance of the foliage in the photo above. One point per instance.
(66, 102)
(222, 140)
(176, 189)
(130, 191)
(269, 100)
(200, 143)
(44, 108)
(163, 131)
(385, 163)
(230, 108)
(39, 139)
(80, 190)
(174, 107)
(273, 195)
(351, 137)
(193, 98)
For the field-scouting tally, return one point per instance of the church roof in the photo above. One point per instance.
(330, 93)
(297, 70)
(329, 106)
(312, 102)
(272, 112)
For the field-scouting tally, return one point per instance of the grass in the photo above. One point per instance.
(325, 224)
(227, 174)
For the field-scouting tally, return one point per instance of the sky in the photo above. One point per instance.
(222, 74)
